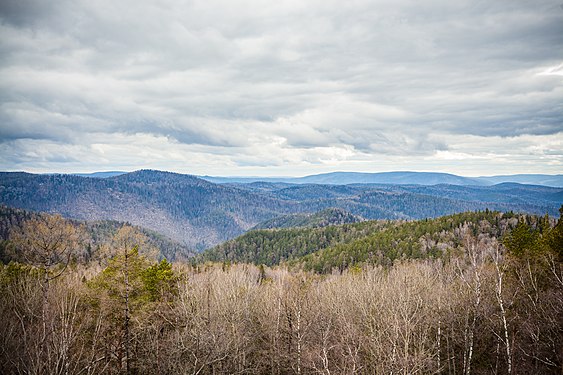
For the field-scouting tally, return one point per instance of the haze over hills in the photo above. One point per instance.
(200, 214)
(404, 178)
(532, 179)
(399, 178)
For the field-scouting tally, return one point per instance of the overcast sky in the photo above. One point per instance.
(282, 87)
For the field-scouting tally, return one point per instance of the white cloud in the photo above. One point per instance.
(552, 71)
(292, 87)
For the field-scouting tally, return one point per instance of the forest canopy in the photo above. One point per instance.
(478, 292)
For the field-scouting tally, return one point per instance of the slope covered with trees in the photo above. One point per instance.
(98, 234)
(376, 242)
(329, 216)
(189, 210)
(273, 246)
(439, 238)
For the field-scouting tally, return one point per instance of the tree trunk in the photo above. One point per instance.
(127, 366)
(500, 275)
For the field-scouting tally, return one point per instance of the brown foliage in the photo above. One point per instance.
(484, 312)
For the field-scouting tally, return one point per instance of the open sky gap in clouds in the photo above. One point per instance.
(251, 87)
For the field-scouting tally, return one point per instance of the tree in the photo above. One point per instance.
(128, 284)
(554, 238)
(523, 241)
(122, 280)
(47, 242)
(159, 280)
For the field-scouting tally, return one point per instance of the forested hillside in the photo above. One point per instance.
(439, 238)
(97, 235)
(329, 216)
(200, 214)
(481, 294)
(187, 209)
(273, 246)
(376, 242)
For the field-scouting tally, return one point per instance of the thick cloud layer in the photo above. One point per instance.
(285, 87)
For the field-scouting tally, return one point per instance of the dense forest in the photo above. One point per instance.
(329, 216)
(378, 242)
(474, 293)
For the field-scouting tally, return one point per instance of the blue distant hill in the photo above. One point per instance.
(395, 178)
(529, 179)
(399, 178)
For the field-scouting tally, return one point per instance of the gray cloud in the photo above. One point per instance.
(288, 85)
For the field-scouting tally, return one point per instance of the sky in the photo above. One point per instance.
(282, 88)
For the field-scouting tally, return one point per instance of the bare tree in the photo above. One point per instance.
(500, 271)
(47, 242)
(472, 279)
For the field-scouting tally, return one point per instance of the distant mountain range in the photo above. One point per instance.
(199, 214)
(396, 178)
(532, 179)
(399, 178)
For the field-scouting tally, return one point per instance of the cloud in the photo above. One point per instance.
(291, 86)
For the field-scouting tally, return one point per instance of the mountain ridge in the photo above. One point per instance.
(393, 177)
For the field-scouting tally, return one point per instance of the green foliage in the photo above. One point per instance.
(148, 282)
(554, 239)
(422, 239)
(524, 240)
(271, 247)
(112, 278)
(534, 237)
(14, 271)
(158, 281)
(374, 242)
